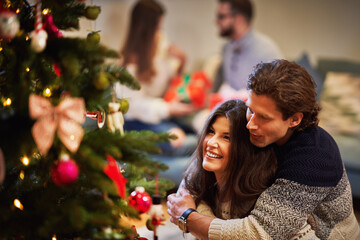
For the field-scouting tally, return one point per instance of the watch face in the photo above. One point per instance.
(182, 224)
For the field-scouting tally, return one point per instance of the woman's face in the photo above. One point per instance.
(216, 147)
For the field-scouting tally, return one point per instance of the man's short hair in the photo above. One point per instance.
(243, 7)
(290, 86)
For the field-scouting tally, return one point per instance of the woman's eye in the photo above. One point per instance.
(227, 137)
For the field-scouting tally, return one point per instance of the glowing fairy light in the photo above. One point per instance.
(47, 92)
(25, 160)
(22, 175)
(54, 237)
(17, 11)
(72, 137)
(1, 49)
(18, 204)
(7, 102)
(27, 38)
(45, 11)
(27, 69)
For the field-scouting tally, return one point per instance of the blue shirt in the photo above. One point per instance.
(242, 55)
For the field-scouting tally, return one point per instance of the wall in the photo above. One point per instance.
(322, 28)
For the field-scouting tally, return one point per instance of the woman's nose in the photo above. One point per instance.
(212, 142)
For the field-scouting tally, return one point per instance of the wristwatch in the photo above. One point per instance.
(182, 219)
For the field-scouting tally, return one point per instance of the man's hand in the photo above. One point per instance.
(177, 204)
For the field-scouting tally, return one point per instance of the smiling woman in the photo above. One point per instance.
(216, 148)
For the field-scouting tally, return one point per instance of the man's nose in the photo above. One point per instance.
(251, 125)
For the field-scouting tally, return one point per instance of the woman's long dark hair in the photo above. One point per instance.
(249, 172)
(140, 44)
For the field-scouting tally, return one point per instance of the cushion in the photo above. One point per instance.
(318, 78)
(340, 114)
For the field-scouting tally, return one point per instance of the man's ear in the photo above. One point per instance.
(295, 119)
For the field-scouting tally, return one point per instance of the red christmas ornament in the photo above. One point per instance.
(113, 171)
(99, 116)
(140, 200)
(50, 27)
(65, 171)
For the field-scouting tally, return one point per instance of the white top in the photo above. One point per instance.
(147, 104)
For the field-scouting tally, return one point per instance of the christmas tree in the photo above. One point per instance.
(61, 178)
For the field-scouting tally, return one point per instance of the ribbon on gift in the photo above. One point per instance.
(65, 118)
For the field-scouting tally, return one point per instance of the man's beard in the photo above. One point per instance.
(227, 32)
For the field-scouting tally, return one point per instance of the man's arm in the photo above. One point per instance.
(274, 217)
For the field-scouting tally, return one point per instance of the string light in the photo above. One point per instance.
(25, 160)
(54, 237)
(1, 49)
(27, 38)
(45, 11)
(27, 69)
(22, 175)
(7, 102)
(18, 204)
(8, 4)
(17, 11)
(47, 92)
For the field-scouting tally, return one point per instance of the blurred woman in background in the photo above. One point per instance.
(154, 62)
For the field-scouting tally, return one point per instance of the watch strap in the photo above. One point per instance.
(184, 217)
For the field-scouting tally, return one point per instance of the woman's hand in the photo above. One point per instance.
(181, 136)
(178, 203)
(178, 108)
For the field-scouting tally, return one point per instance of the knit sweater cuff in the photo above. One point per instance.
(215, 229)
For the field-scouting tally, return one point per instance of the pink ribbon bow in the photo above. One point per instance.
(65, 118)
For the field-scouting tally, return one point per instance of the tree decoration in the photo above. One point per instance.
(92, 12)
(113, 171)
(99, 116)
(124, 105)
(115, 119)
(2, 167)
(65, 171)
(50, 27)
(156, 213)
(101, 81)
(65, 118)
(39, 35)
(9, 24)
(140, 200)
(93, 37)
